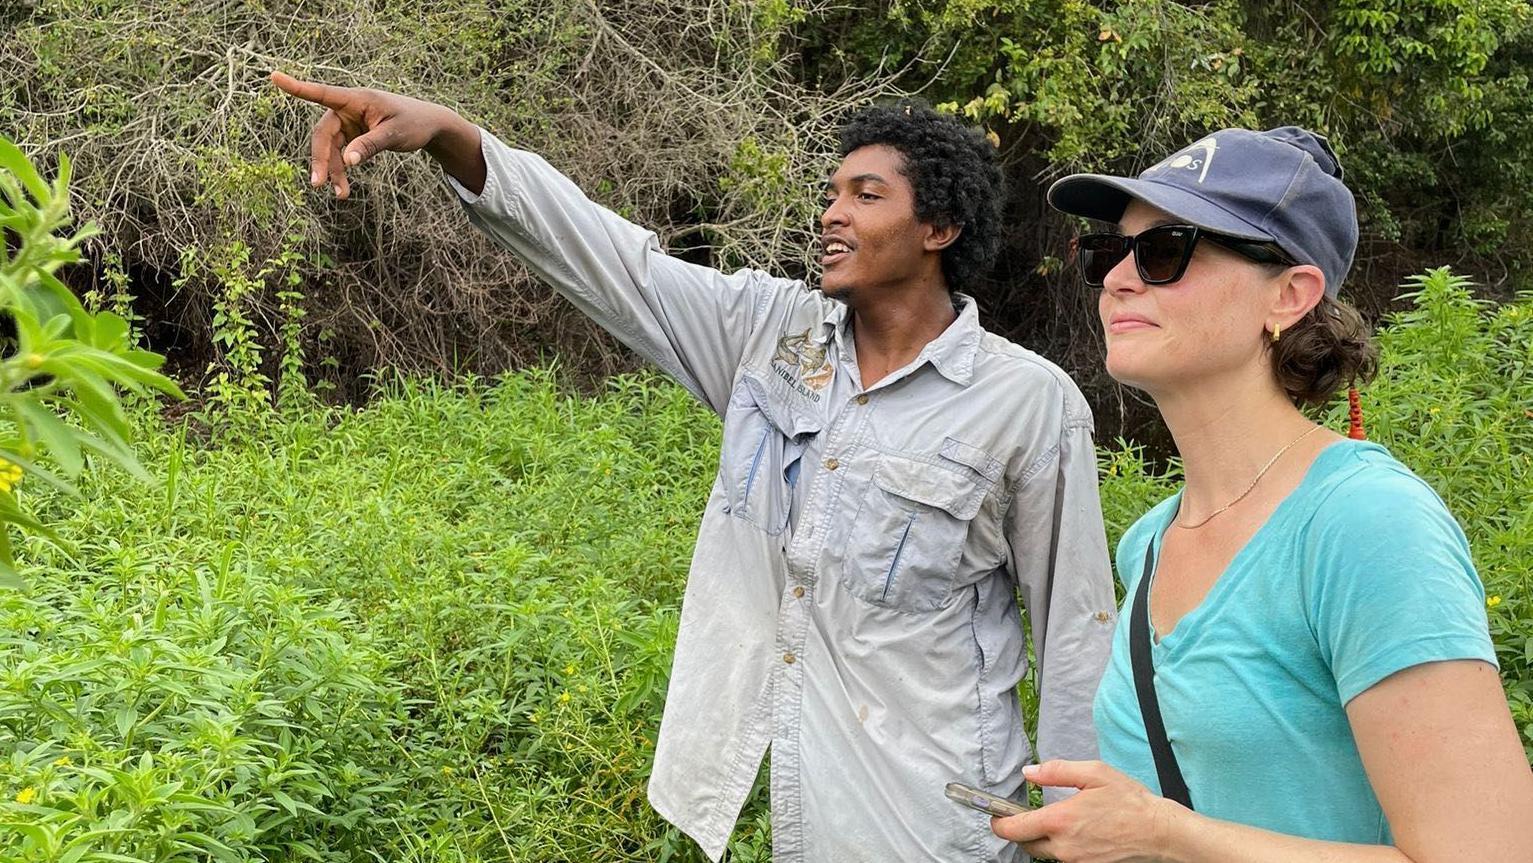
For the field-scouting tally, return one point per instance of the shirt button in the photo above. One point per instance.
(862, 399)
(832, 464)
(1101, 616)
(788, 658)
(798, 592)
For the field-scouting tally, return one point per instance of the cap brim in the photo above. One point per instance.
(1104, 198)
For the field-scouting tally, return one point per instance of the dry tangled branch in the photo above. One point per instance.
(682, 115)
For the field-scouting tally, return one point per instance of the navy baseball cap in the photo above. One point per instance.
(1281, 186)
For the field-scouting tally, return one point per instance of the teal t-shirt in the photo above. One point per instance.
(1359, 573)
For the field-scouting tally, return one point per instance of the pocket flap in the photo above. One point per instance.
(782, 415)
(954, 449)
(958, 494)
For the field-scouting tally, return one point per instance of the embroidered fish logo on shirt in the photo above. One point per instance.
(809, 361)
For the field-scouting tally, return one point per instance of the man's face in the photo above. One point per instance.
(871, 239)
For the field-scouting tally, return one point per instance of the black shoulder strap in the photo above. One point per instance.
(1170, 773)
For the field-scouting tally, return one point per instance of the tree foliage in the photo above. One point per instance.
(711, 121)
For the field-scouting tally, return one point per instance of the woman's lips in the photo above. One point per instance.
(1129, 324)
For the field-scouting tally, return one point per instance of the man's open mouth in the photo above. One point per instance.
(834, 251)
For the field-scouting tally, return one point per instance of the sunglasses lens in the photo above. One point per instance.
(1161, 253)
(1099, 253)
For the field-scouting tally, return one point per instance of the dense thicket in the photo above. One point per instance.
(439, 628)
(711, 121)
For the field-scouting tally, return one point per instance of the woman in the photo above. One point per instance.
(1322, 671)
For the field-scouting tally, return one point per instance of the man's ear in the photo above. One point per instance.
(1301, 289)
(939, 237)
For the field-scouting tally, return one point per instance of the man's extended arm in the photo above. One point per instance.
(692, 321)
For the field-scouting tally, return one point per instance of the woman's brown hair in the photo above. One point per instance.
(1328, 349)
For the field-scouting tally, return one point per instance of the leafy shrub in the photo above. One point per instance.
(440, 628)
(158, 710)
(1454, 400)
(61, 365)
(193, 164)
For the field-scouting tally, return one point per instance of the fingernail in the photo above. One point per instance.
(314, 179)
(1029, 771)
(353, 157)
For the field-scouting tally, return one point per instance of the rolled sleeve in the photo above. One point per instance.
(692, 321)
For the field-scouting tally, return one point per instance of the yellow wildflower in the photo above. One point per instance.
(10, 475)
(26, 795)
(564, 698)
(569, 670)
(62, 761)
(1492, 601)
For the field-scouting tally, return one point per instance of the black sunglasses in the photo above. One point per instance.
(1161, 253)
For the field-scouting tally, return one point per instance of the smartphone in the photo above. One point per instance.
(974, 798)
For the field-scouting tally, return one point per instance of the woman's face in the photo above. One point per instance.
(1210, 322)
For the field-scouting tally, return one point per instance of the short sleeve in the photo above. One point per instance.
(1389, 580)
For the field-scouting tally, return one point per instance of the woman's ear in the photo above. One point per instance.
(1300, 289)
(939, 237)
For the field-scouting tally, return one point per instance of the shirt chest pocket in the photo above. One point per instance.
(762, 439)
(907, 539)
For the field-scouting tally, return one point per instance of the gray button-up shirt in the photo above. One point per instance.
(852, 597)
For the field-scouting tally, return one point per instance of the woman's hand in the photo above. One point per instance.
(1113, 819)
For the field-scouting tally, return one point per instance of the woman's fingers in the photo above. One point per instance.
(1025, 827)
(1069, 774)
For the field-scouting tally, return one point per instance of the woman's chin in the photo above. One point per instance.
(1131, 370)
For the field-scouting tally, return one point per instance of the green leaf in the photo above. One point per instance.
(10, 579)
(125, 719)
(61, 441)
(15, 161)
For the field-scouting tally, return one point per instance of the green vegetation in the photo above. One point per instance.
(712, 121)
(58, 357)
(439, 628)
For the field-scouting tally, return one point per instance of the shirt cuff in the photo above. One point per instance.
(491, 176)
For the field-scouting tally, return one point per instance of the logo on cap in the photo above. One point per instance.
(1189, 159)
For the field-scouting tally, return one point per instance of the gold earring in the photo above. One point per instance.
(1275, 332)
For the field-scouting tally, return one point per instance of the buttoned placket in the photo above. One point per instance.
(807, 538)
(703, 775)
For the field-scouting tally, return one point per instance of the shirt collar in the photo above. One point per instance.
(952, 353)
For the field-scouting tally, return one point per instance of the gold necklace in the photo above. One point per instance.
(1259, 474)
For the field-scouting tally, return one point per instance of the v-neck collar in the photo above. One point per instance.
(1237, 566)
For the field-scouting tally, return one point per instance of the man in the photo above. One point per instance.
(890, 473)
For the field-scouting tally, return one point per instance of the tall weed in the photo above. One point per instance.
(440, 628)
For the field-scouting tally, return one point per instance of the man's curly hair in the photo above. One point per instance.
(953, 171)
